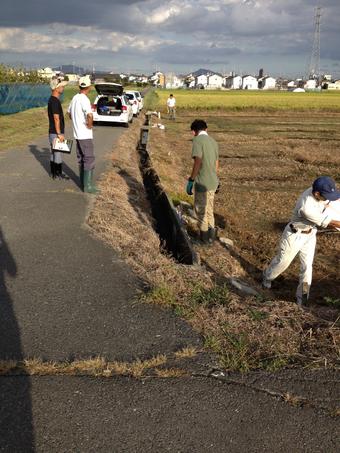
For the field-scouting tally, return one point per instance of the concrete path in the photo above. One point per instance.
(65, 295)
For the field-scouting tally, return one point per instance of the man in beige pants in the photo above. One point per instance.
(203, 179)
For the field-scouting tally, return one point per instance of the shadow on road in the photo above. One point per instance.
(16, 424)
(43, 157)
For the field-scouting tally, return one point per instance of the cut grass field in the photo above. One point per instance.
(266, 160)
(268, 331)
(266, 101)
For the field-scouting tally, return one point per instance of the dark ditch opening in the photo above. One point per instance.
(174, 238)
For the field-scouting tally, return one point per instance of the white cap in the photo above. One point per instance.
(56, 83)
(84, 82)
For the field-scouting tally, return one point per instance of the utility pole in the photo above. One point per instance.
(314, 65)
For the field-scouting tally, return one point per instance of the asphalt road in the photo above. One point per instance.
(65, 295)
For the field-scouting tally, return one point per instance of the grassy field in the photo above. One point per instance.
(250, 100)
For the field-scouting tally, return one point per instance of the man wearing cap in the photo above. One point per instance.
(299, 236)
(80, 112)
(203, 181)
(56, 126)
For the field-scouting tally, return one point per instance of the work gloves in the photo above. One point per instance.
(190, 186)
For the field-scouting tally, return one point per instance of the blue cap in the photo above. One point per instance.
(326, 187)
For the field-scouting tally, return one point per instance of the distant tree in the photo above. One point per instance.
(9, 74)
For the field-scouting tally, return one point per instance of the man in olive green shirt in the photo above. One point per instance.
(203, 179)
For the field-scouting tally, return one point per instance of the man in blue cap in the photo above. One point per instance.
(299, 236)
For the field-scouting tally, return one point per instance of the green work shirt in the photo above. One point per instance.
(206, 148)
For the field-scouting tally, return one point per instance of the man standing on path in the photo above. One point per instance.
(80, 112)
(56, 126)
(171, 105)
(203, 179)
(299, 236)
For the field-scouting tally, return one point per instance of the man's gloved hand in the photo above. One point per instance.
(218, 188)
(190, 186)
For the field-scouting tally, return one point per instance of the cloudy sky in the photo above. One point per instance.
(174, 35)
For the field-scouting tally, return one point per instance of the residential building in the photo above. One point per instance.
(334, 86)
(215, 81)
(173, 81)
(249, 83)
(267, 83)
(46, 73)
(201, 81)
(233, 82)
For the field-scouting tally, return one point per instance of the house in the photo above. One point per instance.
(201, 81)
(267, 83)
(46, 73)
(249, 83)
(73, 78)
(142, 79)
(215, 81)
(310, 84)
(334, 86)
(157, 79)
(173, 81)
(233, 82)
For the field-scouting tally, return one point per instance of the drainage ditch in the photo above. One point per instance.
(174, 238)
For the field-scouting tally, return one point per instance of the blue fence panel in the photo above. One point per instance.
(17, 97)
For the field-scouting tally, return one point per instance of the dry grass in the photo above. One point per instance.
(98, 367)
(294, 400)
(167, 373)
(185, 353)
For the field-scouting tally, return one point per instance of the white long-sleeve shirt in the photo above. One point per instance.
(309, 212)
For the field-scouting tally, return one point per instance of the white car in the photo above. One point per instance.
(111, 105)
(133, 101)
(140, 99)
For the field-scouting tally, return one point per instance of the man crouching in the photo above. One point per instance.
(299, 236)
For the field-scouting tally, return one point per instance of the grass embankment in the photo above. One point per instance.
(20, 128)
(246, 332)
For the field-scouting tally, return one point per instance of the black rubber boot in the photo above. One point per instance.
(53, 169)
(212, 234)
(204, 237)
(59, 172)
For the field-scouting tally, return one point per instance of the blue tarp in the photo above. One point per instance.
(16, 97)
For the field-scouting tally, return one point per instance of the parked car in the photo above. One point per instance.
(111, 105)
(133, 101)
(140, 99)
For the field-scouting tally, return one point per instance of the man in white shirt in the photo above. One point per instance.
(80, 112)
(171, 105)
(299, 236)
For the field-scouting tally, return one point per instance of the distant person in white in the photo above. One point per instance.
(299, 237)
(80, 112)
(171, 106)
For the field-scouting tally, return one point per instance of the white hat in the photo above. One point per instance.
(56, 83)
(84, 82)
